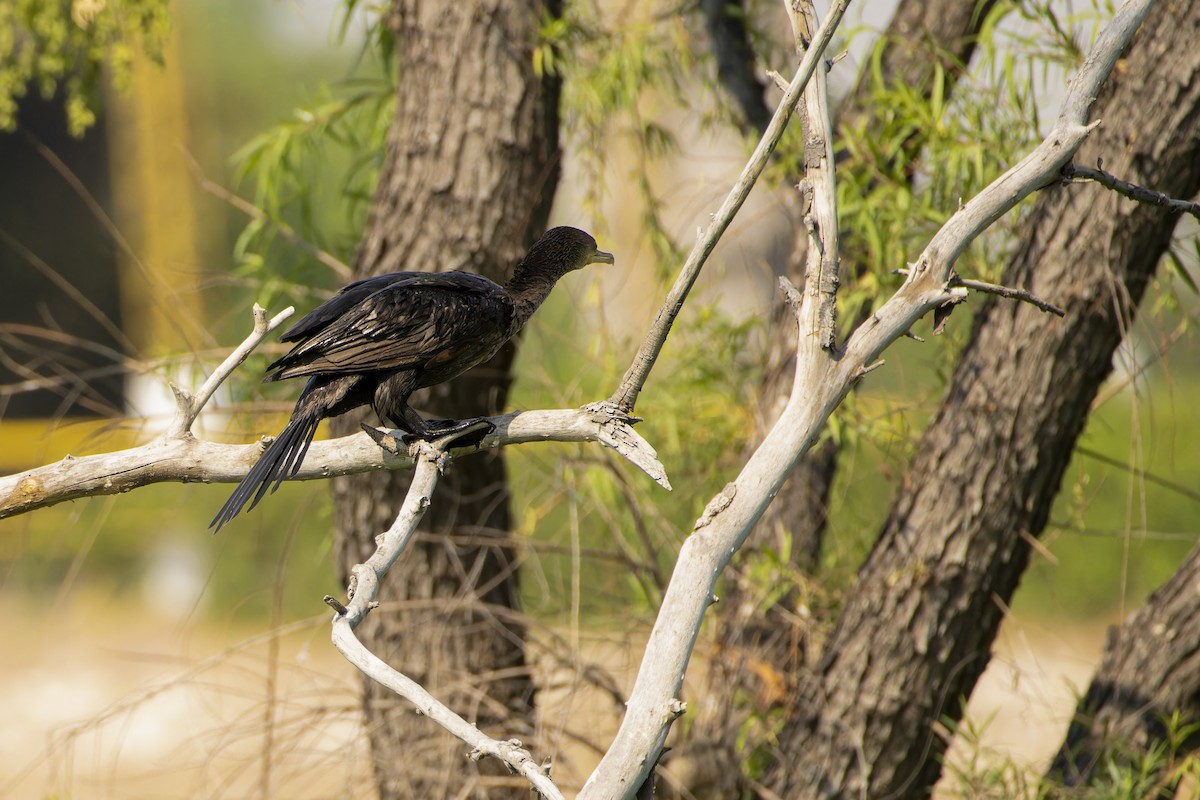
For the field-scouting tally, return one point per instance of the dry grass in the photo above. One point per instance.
(102, 702)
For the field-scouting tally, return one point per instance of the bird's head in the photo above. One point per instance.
(559, 251)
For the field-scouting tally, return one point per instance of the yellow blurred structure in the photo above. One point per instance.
(154, 209)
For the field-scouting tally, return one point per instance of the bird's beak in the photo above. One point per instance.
(601, 257)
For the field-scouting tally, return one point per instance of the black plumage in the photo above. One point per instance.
(378, 340)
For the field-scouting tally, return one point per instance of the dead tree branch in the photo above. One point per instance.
(1006, 292)
(365, 578)
(1009, 293)
(188, 406)
(187, 459)
(178, 456)
(822, 381)
(819, 185)
(1073, 173)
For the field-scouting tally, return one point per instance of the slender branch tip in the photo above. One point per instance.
(1006, 292)
(335, 604)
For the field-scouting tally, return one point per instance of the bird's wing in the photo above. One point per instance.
(349, 296)
(417, 320)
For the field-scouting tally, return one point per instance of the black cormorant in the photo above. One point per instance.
(378, 340)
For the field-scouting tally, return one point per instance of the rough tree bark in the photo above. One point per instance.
(1150, 670)
(917, 627)
(471, 167)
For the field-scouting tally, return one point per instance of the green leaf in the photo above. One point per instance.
(1181, 270)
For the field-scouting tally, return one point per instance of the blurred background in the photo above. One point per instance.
(145, 657)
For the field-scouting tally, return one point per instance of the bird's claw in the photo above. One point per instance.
(444, 432)
(462, 433)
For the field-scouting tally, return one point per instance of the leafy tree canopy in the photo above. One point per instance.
(63, 47)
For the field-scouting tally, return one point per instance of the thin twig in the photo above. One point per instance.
(790, 294)
(188, 406)
(957, 281)
(1074, 173)
(1011, 294)
(364, 588)
(1113, 388)
(780, 82)
(625, 397)
(1143, 474)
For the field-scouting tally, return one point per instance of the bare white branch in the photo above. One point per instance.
(819, 184)
(177, 456)
(821, 383)
(364, 588)
(189, 460)
(188, 406)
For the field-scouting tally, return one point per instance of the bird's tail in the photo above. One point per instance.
(281, 460)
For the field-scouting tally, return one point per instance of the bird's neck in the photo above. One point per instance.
(528, 292)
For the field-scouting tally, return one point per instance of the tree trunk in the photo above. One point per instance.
(916, 630)
(1150, 670)
(729, 40)
(471, 167)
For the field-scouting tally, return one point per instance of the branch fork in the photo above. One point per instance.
(363, 589)
(189, 406)
(824, 375)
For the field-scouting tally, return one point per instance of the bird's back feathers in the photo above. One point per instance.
(399, 321)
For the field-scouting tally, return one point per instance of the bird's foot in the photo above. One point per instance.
(456, 432)
(448, 432)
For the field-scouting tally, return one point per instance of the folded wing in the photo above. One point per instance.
(399, 321)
